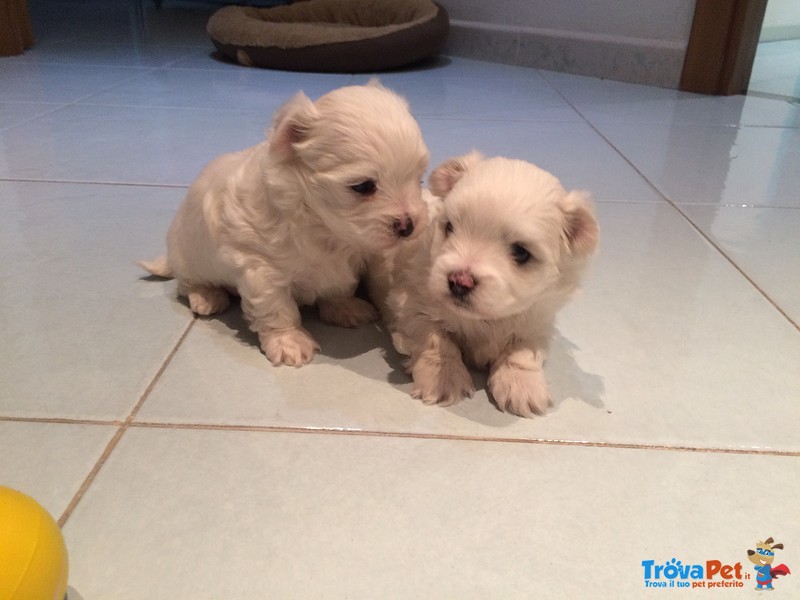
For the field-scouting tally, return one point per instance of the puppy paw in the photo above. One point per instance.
(294, 347)
(207, 300)
(347, 312)
(519, 391)
(441, 382)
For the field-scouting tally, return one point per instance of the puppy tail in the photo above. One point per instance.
(158, 267)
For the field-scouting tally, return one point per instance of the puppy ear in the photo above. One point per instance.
(290, 126)
(445, 176)
(376, 83)
(581, 231)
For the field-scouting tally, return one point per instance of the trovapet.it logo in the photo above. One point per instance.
(717, 574)
(709, 574)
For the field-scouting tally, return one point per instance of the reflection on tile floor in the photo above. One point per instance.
(776, 69)
(182, 465)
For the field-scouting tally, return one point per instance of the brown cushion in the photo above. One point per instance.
(337, 36)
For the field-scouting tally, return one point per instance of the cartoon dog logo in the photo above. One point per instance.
(762, 558)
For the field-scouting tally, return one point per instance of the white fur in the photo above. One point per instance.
(279, 224)
(505, 322)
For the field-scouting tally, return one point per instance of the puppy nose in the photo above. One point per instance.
(460, 283)
(403, 227)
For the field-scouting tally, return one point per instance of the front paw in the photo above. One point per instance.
(294, 347)
(442, 382)
(347, 312)
(519, 391)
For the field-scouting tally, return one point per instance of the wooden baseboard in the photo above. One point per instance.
(722, 46)
(16, 34)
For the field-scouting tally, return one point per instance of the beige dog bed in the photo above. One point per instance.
(341, 36)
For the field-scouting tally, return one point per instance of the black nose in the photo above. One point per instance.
(403, 227)
(460, 283)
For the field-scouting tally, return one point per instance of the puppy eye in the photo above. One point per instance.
(365, 188)
(448, 228)
(520, 254)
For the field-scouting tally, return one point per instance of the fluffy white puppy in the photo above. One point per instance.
(291, 220)
(503, 251)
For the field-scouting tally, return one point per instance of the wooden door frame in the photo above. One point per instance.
(722, 46)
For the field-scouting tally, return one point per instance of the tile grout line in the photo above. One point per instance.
(456, 437)
(56, 108)
(167, 361)
(85, 100)
(122, 428)
(771, 96)
(87, 182)
(399, 434)
(733, 263)
(89, 479)
(60, 421)
(76, 101)
(685, 216)
(184, 186)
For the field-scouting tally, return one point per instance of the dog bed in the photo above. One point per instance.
(334, 36)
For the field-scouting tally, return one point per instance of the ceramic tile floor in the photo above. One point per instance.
(182, 465)
(776, 70)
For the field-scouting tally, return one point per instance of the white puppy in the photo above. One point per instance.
(503, 252)
(291, 220)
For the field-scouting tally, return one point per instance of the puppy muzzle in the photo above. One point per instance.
(461, 284)
(403, 227)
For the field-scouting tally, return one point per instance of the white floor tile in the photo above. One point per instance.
(49, 461)
(14, 113)
(114, 144)
(202, 514)
(762, 242)
(521, 95)
(601, 101)
(574, 152)
(207, 59)
(236, 88)
(776, 68)
(24, 81)
(451, 68)
(82, 333)
(751, 166)
(648, 354)
(76, 52)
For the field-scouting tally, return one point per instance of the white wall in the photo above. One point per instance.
(643, 41)
(781, 21)
(654, 19)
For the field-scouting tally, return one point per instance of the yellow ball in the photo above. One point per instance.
(33, 557)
